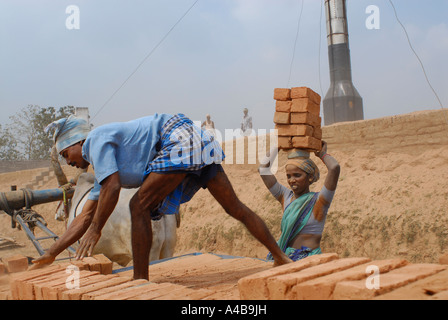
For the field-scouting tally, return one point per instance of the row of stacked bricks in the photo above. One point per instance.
(327, 276)
(49, 282)
(297, 118)
(94, 280)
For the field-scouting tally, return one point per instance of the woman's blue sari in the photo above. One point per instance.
(295, 217)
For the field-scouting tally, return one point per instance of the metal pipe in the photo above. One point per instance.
(342, 101)
(16, 200)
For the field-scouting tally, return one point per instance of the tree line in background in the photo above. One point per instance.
(24, 138)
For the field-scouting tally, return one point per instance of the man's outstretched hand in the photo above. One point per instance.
(42, 261)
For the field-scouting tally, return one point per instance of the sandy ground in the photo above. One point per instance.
(390, 202)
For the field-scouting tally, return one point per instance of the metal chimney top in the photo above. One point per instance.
(342, 101)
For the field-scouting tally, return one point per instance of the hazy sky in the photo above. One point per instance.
(223, 56)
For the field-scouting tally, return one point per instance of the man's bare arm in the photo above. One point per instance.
(74, 232)
(109, 194)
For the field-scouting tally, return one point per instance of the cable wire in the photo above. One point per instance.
(415, 53)
(320, 39)
(295, 43)
(146, 58)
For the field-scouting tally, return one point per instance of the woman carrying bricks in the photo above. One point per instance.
(304, 212)
(168, 158)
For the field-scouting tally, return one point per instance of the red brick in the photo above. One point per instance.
(317, 132)
(132, 292)
(254, 287)
(106, 264)
(159, 291)
(388, 281)
(284, 143)
(307, 143)
(94, 264)
(175, 294)
(280, 287)
(17, 280)
(103, 292)
(306, 118)
(304, 92)
(5, 292)
(56, 292)
(23, 284)
(305, 105)
(419, 290)
(282, 117)
(28, 290)
(322, 287)
(290, 130)
(51, 285)
(16, 263)
(282, 94)
(94, 287)
(199, 294)
(91, 284)
(77, 263)
(283, 106)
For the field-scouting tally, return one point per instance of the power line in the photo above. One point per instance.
(295, 43)
(415, 53)
(146, 58)
(320, 38)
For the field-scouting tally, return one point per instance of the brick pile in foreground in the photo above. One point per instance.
(210, 277)
(328, 277)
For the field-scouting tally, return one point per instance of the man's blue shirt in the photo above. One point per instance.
(123, 147)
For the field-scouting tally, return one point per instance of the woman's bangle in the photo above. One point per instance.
(327, 154)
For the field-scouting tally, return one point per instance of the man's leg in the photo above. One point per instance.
(158, 238)
(222, 190)
(169, 244)
(153, 190)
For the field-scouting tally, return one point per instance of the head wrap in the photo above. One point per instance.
(306, 165)
(68, 131)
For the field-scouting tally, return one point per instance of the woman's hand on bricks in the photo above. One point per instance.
(322, 151)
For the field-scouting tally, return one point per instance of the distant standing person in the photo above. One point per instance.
(208, 125)
(246, 123)
(304, 212)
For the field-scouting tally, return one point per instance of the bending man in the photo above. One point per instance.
(168, 158)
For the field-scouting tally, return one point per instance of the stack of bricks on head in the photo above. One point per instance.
(297, 119)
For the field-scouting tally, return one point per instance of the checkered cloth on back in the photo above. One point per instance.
(184, 148)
